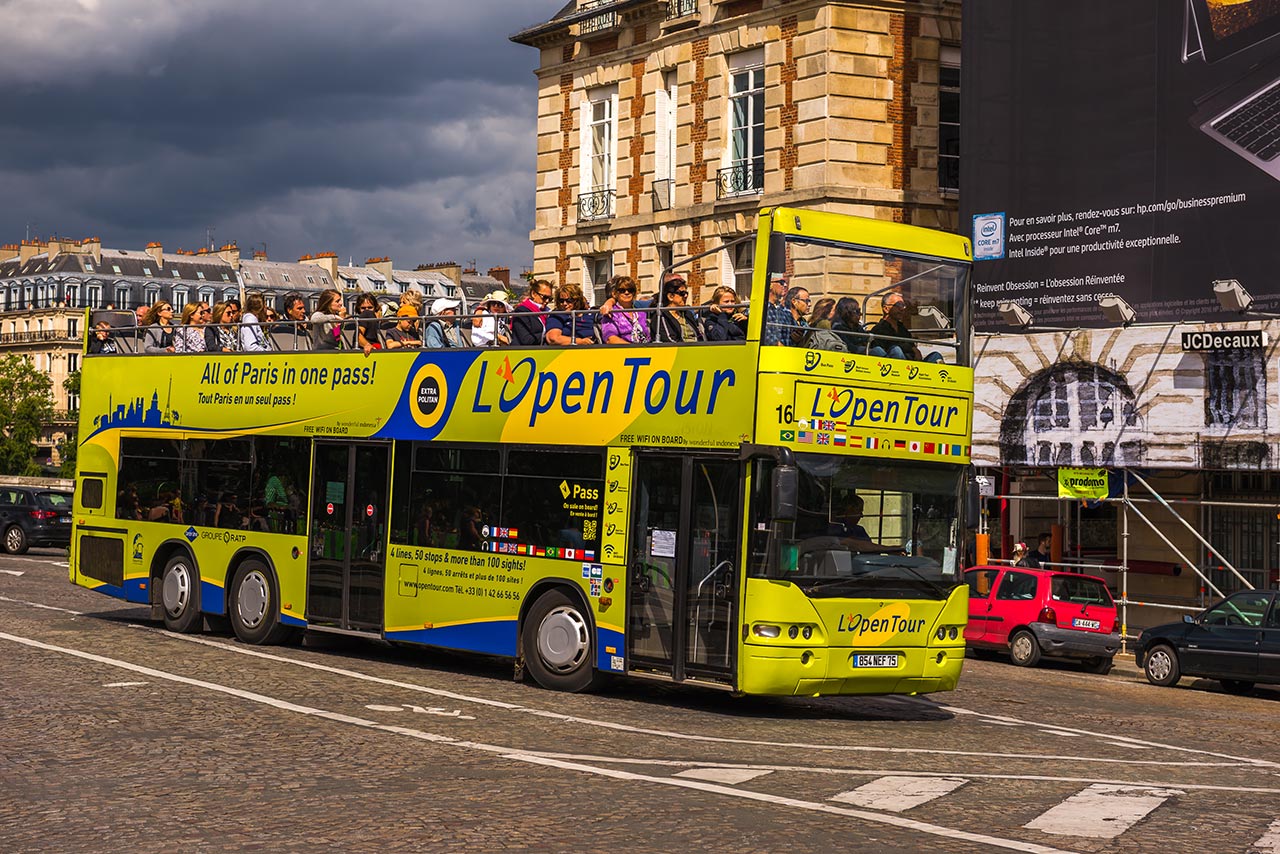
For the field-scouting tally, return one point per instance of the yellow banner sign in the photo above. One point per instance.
(1082, 483)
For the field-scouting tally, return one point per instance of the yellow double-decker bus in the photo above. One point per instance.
(764, 518)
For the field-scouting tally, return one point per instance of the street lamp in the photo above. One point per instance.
(1116, 310)
(1231, 295)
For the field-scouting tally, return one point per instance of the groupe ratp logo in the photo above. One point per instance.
(191, 534)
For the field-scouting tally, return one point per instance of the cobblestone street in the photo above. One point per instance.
(120, 736)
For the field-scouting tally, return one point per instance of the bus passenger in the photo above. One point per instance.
(894, 325)
(625, 323)
(190, 335)
(724, 320)
(158, 328)
(848, 325)
(442, 330)
(677, 322)
(469, 537)
(823, 337)
(797, 302)
(367, 333)
(529, 320)
(777, 319)
(221, 334)
(490, 328)
(405, 333)
(326, 321)
(571, 324)
(252, 337)
(101, 343)
(413, 299)
(296, 335)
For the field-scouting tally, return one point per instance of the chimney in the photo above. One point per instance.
(231, 254)
(59, 245)
(448, 268)
(502, 274)
(9, 251)
(381, 265)
(92, 246)
(327, 261)
(30, 249)
(259, 254)
(156, 251)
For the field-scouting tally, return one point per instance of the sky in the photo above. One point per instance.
(400, 128)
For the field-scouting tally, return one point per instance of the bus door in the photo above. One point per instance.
(685, 567)
(346, 567)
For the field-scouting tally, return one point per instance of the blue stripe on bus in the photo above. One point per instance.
(212, 598)
(135, 590)
(292, 621)
(607, 639)
(494, 637)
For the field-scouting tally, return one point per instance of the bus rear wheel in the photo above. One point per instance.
(180, 594)
(254, 607)
(558, 644)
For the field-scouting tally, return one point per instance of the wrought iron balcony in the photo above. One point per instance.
(35, 337)
(597, 205)
(741, 179)
(606, 20)
(681, 8)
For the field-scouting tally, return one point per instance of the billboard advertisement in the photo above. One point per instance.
(1128, 149)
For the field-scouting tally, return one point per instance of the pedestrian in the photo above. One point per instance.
(1020, 554)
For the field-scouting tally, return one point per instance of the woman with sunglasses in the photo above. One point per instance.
(625, 323)
(529, 320)
(158, 326)
(677, 323)
(190, 335)
(571, 323)
(221, 333)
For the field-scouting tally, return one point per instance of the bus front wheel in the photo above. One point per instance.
(255, 605)
(558, 646)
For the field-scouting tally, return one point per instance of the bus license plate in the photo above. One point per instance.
(1085, 624)
(875, 661)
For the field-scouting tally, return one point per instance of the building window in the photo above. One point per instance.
(179, 298)
(200, 274)
(599, 164)
(742, 262)
(73, 326)
(286, 276)
(949, 120)
(95, 296)
(1236, 389)
(151, 295)
(88, 266)
(262, 276)
(146, 271)
(176, 274)
(665, 148)
(206, 295)
(122, 297)
(597, 270)
(745, 169)
(73, 293)
(311, 280)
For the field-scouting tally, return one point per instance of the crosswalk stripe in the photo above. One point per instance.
(898, 794)
(1101, 811)
(731, 776)
(1269, 843)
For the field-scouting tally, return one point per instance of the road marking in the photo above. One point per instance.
(1101, 812)
(40, 605)
(456, 713)
(42, 562)
(520, 756)
(898, 794)
(124, 684)
(1235, 761)
(1060, 733)
(721, 775)
(1269, 843)
(15, 572)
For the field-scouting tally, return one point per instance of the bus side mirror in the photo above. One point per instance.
(786, 485)
(972, 506)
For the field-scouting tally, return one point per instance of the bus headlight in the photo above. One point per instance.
(764, 630)
(793, 632)
(807, 632)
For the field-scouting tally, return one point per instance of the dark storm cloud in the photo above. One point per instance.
(399, 128)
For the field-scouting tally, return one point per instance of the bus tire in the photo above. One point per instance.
(180, 594)
(558, 643)
(254, 606)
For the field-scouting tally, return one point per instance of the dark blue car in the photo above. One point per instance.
(1237, 642)
(33, 517)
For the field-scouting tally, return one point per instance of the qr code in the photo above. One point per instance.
(589, 529)
(615, 662)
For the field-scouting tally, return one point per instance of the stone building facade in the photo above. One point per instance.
(665, 125)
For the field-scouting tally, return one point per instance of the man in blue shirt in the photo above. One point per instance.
(846, 526)
(777, 318)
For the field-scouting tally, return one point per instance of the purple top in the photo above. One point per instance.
(631, 326)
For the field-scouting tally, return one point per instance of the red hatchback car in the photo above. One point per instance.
(1036, 612)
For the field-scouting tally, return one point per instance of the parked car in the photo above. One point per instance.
(1034, 613)
(1236, 641)
(33, 517)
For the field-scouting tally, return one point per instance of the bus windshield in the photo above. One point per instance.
(863, 528)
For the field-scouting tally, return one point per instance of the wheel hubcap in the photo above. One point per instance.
(177, 590)
(1022, 648)
(1159, 665)
(563, 639)
(13, 540)
(252, 599)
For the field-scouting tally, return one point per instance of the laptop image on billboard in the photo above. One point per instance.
(1244, 116)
